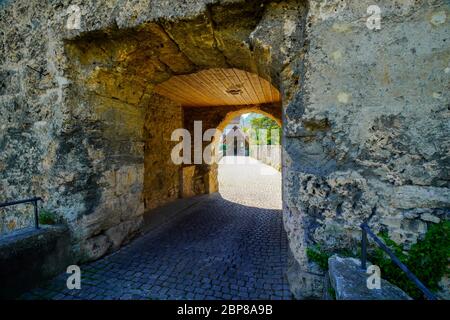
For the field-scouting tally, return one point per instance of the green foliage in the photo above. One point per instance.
(427, 259)
(319, 257)
(266, 124)
(331, 292)
(432, 254)
(47, 217)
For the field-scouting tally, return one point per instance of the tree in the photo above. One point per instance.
(258, 124)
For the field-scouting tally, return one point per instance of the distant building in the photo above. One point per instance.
(235, 142)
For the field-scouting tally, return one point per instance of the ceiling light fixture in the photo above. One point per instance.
(235, 90)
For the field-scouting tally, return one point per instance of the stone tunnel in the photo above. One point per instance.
(365, 124)
(138, 86)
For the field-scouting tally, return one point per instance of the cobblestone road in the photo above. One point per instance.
(230, 246)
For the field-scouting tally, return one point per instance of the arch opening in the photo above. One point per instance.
(203, 178)
(138, 86)
(213, 98)
(249, 160)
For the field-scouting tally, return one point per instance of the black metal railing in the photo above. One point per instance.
(34, 201)
(366, 231)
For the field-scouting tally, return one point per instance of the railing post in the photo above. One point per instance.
(366, 230)
(34, 201)
(363, 248)
(36, 214)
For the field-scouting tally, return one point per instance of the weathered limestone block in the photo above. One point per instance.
(297, 227)
(428, 217)
(124, 231)
(161, 176)
(211, 178)
(390, 127)
(278, 37)
(196, 39)
(233, 25)
(188, 181)
(128, 179)
(304, 285)
(337, 205)
(349, 282)
(95, 247)
(408, 197)
(117, 86)
(120, 201)
(9, 82)
(32, 256)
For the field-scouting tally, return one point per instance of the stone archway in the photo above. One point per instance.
(271, 113)
(122, 118)
(107, 118)
(204, 176)
(364, 132)
(124, 122)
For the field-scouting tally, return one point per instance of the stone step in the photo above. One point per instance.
(349, 282)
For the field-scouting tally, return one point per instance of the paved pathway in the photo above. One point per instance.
(249, 182)
(230, 246)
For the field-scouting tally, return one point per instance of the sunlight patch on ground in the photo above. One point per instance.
(249, 182)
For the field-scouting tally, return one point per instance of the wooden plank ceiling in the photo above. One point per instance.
(218, 87)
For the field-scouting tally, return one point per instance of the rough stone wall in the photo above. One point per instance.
(107, 126)
(72, 101)
(28, 102)
(14, 218)
(162, 176)
(367, 129)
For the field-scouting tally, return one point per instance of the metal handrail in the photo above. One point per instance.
(366, 230)
(31, 200)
